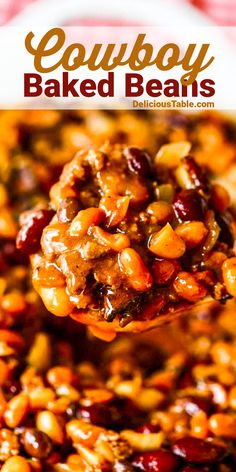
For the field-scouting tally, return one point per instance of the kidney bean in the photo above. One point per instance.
(226, 235)
(68, 209)
(36, 443)
(124, 412)
(138, 161)
(220, 198)
(147, 428)
(156, 461)
(97, 414)
(12, 255)
(12, 388)
(111, 415)
(28, 238)
(196, 173)
(228, 129)
(188, 205)
(193, 405)
(197, 450)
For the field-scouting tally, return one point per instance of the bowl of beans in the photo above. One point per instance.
(112, 223)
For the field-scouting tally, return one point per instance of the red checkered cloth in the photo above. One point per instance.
(222, 12)
(9, 8)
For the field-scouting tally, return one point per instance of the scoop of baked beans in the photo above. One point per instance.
(130, 241)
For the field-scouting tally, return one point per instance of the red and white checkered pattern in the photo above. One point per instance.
(223, 12)
(9, 8)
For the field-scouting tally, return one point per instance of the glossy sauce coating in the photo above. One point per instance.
(108, 252)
